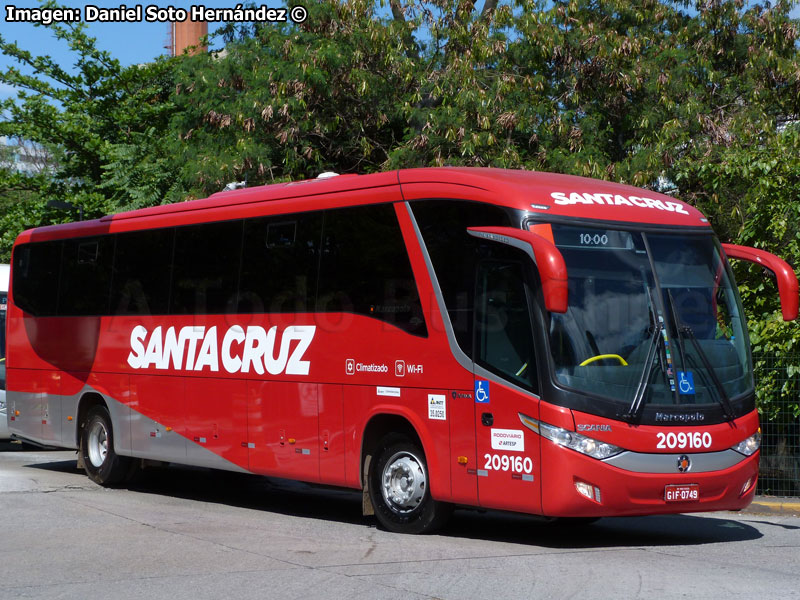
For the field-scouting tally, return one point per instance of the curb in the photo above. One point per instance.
(768, 505)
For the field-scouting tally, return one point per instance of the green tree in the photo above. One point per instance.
(81, 117)
(292, 101)
(763, 182)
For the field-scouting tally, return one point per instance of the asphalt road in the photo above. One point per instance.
(199, 534)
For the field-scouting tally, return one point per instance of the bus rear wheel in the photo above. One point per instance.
(102, 464)
(399, 488)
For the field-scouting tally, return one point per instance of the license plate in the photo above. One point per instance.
(682, 493)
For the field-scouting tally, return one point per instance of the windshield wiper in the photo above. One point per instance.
(722, 395)
(636, 406)
(677, 320)
(657, 323)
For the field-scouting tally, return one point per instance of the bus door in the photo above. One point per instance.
(505, 381)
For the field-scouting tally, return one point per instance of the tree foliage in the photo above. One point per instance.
(293, 101)
(764, 183)
(82, 117)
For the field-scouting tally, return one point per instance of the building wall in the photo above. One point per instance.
(188, 33)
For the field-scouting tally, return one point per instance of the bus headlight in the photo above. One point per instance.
(749, 446)
(574, 441)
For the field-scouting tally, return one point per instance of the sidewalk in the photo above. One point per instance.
(774, 505)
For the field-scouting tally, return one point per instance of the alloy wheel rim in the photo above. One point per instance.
(98, 443)
(403, 482)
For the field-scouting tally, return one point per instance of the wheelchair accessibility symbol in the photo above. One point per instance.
(481, 391)
(685, 382)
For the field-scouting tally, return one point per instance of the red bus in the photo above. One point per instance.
(510, 340)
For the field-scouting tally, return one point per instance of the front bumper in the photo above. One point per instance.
(627, 493)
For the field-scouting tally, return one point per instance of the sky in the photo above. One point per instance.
(130, 43)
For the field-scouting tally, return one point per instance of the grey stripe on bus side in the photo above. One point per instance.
(141, 438)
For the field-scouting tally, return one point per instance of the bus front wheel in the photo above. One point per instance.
(399, 487)
(102, 464)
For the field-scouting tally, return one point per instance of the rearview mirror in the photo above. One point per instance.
(787, 280)
(549, 262)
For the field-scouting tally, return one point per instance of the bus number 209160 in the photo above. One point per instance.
(684, 440)
(504, 462)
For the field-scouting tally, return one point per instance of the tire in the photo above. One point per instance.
(399, 488)
(102, 464)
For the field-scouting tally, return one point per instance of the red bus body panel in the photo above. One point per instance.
(311, 427)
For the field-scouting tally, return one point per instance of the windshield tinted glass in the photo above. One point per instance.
(685, 320)
(503, 329)
(705, 312)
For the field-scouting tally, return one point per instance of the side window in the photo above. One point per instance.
(142, 268)
(35, 277)
(453, 252)
(280, 263)
(503, 328)
(206, 268)
(86, 276)
(365, 268)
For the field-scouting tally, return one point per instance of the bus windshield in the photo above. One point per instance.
(653, 318)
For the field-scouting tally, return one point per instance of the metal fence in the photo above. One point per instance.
(780, 425)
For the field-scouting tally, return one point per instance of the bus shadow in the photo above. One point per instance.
(653, 531)
(9, 446)
(69, 466)
(318, 502)
(298, 499)
(253, 492)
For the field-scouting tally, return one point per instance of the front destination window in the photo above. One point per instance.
(654, 323)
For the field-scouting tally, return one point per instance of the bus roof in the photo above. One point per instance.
(539, 193)
(555, 194)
